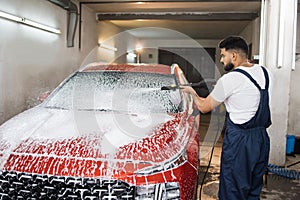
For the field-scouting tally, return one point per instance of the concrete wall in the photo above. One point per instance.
(33, 61)
(281, 69)
(251, 35)
(294, 109)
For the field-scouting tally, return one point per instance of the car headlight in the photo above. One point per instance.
(180, 159)
(162, 191)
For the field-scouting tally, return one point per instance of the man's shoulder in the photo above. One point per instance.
(232, 75)
(232, 80)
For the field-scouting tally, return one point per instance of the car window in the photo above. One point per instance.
(117, 91)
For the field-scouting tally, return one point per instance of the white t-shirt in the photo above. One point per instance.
(240, 96)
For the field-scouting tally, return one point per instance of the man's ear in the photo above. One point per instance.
(234, 55)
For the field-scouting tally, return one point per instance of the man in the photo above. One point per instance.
(245, 150)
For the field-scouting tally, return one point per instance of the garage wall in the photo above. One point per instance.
(294, 108)
(251, 35)
(33, 61)
(114, 36)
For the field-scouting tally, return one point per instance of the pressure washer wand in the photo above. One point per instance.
(175, 87)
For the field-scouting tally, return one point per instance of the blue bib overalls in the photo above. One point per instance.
(245, 151)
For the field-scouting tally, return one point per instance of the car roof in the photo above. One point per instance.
(149, 68)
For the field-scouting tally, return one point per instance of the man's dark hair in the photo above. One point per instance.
(234, 43)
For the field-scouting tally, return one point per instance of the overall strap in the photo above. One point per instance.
(254, 81)
(266, 77)
(249, 76)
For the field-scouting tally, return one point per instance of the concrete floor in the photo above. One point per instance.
(275, 187)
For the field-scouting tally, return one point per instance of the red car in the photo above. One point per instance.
(107, 132)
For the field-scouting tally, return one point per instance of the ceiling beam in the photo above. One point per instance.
(199, 16)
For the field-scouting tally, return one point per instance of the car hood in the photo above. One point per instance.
(63, 142)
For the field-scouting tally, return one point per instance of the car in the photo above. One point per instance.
(108, 131)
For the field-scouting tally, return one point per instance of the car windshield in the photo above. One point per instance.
(117, 91)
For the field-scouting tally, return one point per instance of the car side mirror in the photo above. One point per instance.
(43, 96)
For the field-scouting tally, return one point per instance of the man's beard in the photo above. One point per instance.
(228, 67)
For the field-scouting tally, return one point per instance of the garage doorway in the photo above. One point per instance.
(196, 63)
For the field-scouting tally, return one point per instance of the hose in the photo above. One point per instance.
(209, 162)
(210, 158)
(284, 172)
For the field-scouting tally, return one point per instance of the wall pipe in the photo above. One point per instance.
(72, 18)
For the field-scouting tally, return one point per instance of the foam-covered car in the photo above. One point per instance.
(107, 132)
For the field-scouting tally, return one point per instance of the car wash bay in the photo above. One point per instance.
(33, 61)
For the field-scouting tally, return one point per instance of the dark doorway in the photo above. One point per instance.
(198, 64)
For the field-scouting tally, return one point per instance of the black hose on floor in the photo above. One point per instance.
(211, 155)
(209, 162)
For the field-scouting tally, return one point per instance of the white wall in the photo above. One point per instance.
(281, 71)
(294, 110)
(247, 33)
(251, 35)
(33, 61)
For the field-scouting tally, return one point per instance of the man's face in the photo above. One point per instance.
(226, 59)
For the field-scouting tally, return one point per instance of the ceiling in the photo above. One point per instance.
(198, 19)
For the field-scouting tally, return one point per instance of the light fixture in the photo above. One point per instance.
(108, 47)
(41, 26)
(139, 47)
(10, 17)
(28, 22)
